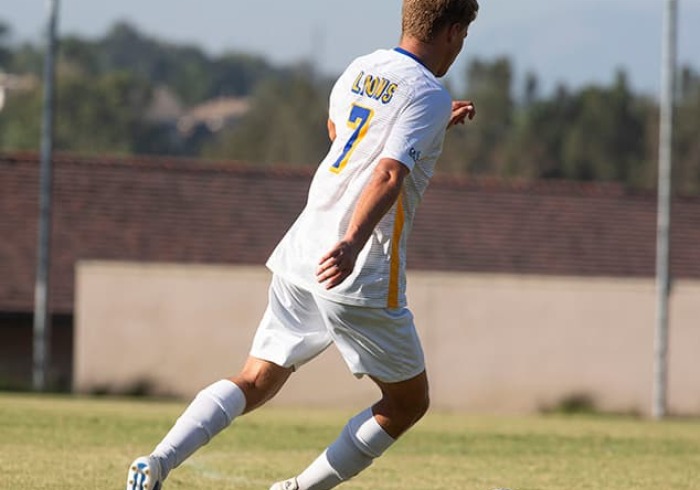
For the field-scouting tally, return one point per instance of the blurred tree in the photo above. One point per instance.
(93, 114)
(605, 138)
(186, 69)
(83, 57)
(535, 145)
(20, 121)
(286, 124)
(596, 134)
(531, 90)
(102, 114)
(106, 86)
(19, 113)
(687, 161)
(478, 146)
(5, 51)
(26, 59)
(125, 48)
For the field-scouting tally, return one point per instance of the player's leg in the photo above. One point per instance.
(402, 404)
(290, 333)
(216, 406)
(260, 380)
(211, 411)
(384, 345)
(366, 436)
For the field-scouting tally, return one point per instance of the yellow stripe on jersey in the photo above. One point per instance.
(395, 261)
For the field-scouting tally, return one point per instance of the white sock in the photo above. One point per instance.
(211, 411)
(362, 440)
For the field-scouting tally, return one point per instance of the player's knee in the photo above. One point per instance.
(421, 407)
(409, 409)
(255, 392)
(260, 381)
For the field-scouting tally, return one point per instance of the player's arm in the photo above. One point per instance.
(375, 201)
(331, 129)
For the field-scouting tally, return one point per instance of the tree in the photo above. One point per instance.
(604, 139)
(20, 121)
(477, 147)
(687, 162)
(5, 52)
(286, 124)
(104, 87)
(192, 74)
(101, 114)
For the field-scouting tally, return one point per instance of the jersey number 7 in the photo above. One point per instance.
(358, 121)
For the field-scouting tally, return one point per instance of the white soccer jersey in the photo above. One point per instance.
(385, 105)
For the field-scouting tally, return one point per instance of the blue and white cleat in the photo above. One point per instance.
(144, 474)
(290, 484)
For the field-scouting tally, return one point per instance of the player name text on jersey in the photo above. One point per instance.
(375, 87)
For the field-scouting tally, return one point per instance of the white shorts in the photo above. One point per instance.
(298, 325)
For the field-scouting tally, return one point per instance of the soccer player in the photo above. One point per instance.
(339, 272)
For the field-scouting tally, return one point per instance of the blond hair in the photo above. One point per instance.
(422, 19)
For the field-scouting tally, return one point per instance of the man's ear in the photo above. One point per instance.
(455, 32)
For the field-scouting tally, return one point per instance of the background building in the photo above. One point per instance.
(537, 291)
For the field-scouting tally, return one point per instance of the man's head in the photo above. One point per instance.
(423, 19)
(442, 24)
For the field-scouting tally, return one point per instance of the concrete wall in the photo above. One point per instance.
(493, 342)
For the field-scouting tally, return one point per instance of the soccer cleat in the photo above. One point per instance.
(290, 484)
(144, 474)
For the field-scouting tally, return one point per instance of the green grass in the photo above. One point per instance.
(68, 443)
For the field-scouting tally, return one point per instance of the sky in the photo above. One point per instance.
(575, 42)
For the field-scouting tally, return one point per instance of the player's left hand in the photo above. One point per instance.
(461, 110)
(335, 266)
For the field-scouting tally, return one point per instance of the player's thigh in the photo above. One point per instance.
(380, 342)
(292, 331)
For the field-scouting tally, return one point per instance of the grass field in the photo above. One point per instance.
(62, 443)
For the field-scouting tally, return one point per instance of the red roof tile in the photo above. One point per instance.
(170, 210)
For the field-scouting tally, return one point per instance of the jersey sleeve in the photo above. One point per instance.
(422, 122)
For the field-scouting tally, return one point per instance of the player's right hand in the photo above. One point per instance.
(336, 265)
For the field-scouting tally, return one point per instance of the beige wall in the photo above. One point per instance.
(493, 342)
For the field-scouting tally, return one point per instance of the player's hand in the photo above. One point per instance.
(461, 110)
(335, 266)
